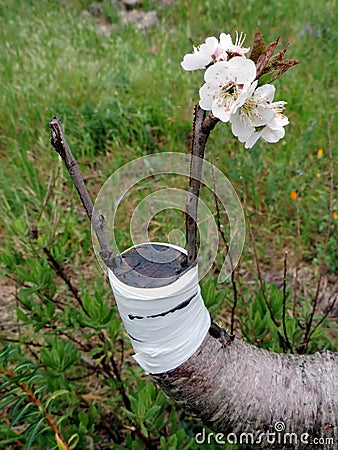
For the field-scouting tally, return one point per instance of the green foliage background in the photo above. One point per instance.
(123, 95)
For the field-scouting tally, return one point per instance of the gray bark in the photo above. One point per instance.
(239, 388)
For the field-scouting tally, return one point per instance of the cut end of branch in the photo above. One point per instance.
(57, 136)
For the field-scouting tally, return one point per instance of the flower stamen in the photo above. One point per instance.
(240, 39)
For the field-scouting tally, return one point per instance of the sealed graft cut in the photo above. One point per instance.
(160, 303)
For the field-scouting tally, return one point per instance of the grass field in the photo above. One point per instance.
(122, 94)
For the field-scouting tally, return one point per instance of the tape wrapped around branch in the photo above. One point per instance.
(167, 324)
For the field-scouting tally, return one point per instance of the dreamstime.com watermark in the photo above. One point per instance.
(275, 436)
(166, 165)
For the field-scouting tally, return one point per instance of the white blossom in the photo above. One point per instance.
(259, 117)
(202, 56)
(212, 51)
(227, 86)
(229, 49)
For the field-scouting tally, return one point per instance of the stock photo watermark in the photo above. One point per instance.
(276, 436)
(121, 183)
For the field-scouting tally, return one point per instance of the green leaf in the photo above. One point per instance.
(24, 366)
(73, 441)
(5, 385)
(7, 352)
(20, 414)
(6, 402)
(55, 395)
(152, 411)
(16, 407)
(144, 429)
(83, 418)
(60, 444)
(131, 415)
(61, 356)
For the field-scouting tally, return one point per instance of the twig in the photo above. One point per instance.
(324, 317)
(284, 302)
(33, 344)
(59, 143)
(63, 275)
(38, 404)
(202, 126)
(298, 258)
(282, 340)
(107, 364)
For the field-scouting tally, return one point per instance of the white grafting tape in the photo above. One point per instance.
(163, 337)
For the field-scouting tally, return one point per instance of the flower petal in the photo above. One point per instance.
(225, 41)
(241, 126)
(279, 121)
(263, 114)
(218, 73)
(211, 44)
(272, 136)
(251, 141)
(244, 68)
(267, 91)
(206, 96)
(201, 56)
(193, 61)
(220, 111)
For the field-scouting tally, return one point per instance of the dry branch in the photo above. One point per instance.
(60, 145)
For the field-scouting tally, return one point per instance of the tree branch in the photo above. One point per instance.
(240, 388)
(202, 126)
(59, 143)
(63, 275)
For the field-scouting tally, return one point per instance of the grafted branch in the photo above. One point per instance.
(202, 126)
(58, 141)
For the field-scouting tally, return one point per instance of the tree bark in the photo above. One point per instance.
(202, 126)
(239, 388)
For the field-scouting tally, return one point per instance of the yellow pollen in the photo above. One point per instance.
(249, 109)
(249, 105)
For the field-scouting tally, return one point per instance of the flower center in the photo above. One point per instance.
(279, 107)
(227, 95)
(249, 108)
(229, 89)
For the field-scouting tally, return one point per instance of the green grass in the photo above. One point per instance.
(121, 97)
